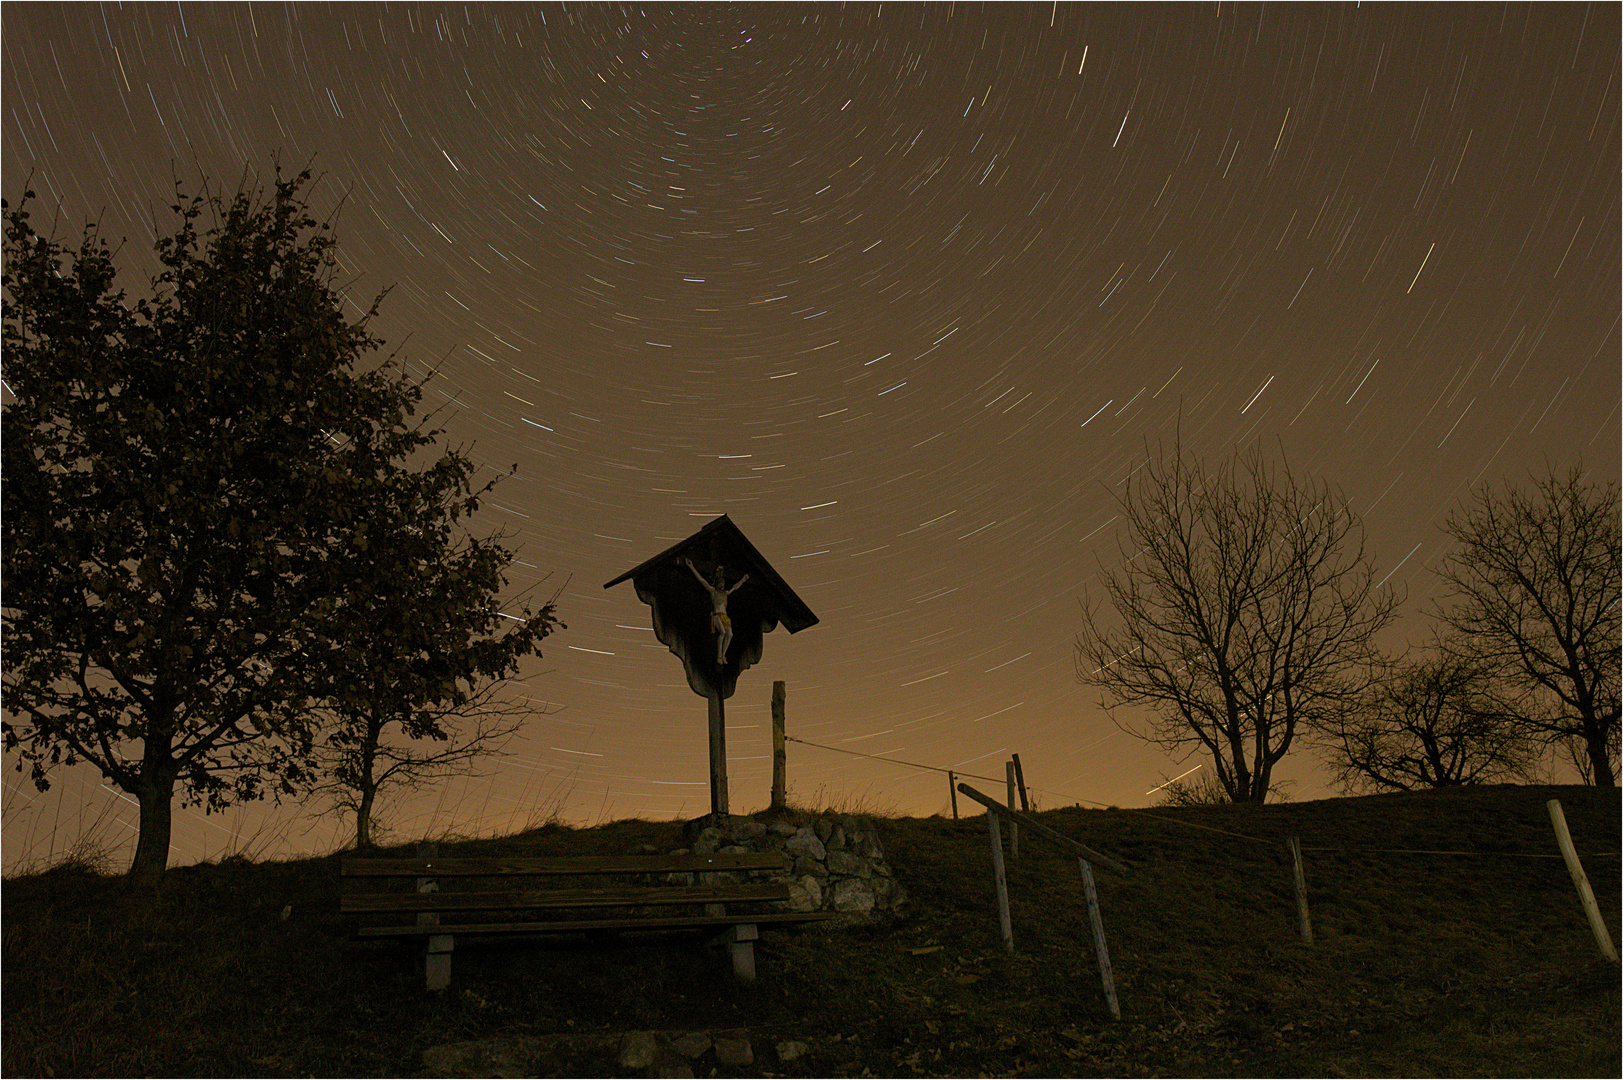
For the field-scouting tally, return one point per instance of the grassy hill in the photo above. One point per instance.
(1422, 964)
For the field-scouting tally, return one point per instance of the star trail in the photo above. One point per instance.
(908, 292)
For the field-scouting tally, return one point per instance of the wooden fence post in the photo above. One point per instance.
(1586, 895)
(1105, 974)
(779, 757)
(1039, 829)
(1002, 882)
(952, 789)
(1294, 845)
(1014, 827)
(1020, 779)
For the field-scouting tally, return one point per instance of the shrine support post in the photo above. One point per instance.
(718, 755)
(779, 758)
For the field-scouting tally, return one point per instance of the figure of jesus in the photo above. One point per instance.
(720, 624)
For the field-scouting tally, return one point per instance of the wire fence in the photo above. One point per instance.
(1194, 824)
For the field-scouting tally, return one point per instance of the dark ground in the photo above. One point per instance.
(1423, 964)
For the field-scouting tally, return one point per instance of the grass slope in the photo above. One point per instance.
(1422, 964)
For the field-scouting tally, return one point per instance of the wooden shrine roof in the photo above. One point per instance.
(722, 534)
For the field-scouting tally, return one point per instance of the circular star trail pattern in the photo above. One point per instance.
(906, 291)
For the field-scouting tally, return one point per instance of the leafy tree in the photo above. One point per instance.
(419, 697)
(1435, 721)
(1244, 610)
(185, 481)
(1534, 586)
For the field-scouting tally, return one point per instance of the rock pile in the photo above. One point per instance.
(838, 864)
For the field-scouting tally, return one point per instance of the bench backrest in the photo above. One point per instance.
(510, 872)
(577, 865)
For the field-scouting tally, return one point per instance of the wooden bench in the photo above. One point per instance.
(572, 908)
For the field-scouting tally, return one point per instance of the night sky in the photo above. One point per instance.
(905, 291)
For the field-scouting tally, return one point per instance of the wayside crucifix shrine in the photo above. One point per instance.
(714, 598)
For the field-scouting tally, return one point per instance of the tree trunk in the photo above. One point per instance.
(1260, 769)
(363, 815)
(1599, 763)
(1240, 790)
(156, 795)
(365, 785)
(155, 792)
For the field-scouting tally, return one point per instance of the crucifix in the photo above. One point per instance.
(720, 624)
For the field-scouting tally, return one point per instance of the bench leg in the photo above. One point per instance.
(439, 961)
(741, 943)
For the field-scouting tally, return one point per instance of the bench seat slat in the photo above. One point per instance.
(676, 922)
(584, 864)
(625, 896)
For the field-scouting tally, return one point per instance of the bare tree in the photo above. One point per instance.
(1576, 752)
(1534, 587)
(1201, 790)
(1435, 721)
(1244, 609)
(376, 748)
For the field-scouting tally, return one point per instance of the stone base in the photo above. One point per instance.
(837, 861)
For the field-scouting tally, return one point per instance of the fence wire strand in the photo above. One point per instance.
(1193, 824)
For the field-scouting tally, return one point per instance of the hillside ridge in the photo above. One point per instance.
(1478, 961)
